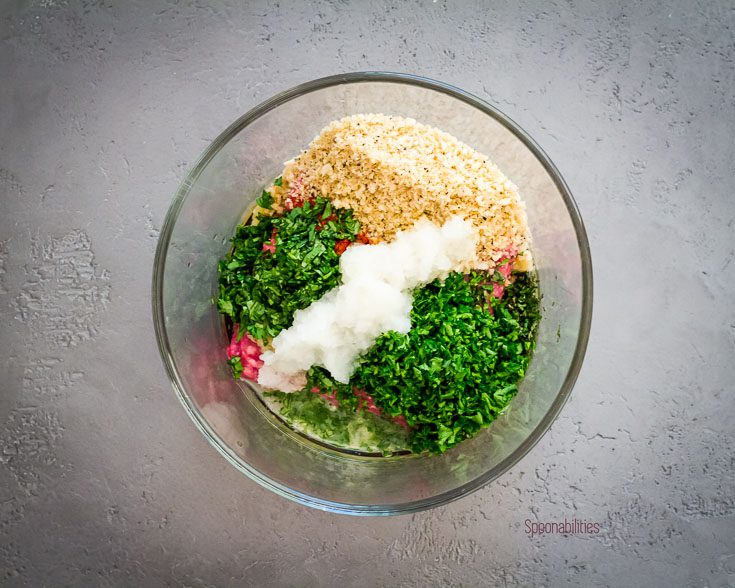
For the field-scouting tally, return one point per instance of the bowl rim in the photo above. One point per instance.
(585, 318)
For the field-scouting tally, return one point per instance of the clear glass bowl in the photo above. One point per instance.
(196, 234)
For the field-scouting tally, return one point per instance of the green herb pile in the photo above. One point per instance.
(459, 365)
(260, 289)
(340, 426)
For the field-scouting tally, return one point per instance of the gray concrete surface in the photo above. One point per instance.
(103, 108)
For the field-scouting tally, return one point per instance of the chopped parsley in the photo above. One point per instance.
(318, 377)
(459, 365)
(340, 426)
(236, 364)
(265, 200)
(282, 264)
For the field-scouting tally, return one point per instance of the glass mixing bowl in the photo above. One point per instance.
(192, 339)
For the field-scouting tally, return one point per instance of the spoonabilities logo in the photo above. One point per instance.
(565, 527)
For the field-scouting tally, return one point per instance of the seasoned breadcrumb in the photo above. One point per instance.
(393, 171)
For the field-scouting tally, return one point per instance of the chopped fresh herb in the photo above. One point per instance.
(459, 365)
(225, 307)
(498, 278)
(278, 181)
(265, 200)
(260, 287)
(236, 364)
(341, 425)
(523, 302)
(318, 377)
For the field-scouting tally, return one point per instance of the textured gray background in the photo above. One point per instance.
(103, 108)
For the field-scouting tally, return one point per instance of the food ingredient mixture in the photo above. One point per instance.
(382, 290)
(374, 298)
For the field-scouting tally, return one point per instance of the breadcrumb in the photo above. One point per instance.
(393, 171)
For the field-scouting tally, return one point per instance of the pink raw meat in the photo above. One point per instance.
(248, 350)
(504, 270)
(365, 401)
(296, 195)
(270, 245)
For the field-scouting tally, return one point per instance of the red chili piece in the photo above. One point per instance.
(323, 221)
(341, 246)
